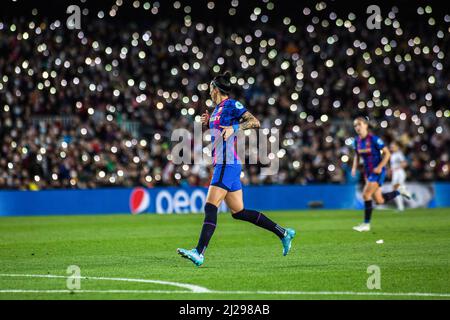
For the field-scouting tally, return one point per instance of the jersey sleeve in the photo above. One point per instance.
(238, 110)
(379, 144)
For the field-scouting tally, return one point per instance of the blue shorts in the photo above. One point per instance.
(373, 177)
(227, 176)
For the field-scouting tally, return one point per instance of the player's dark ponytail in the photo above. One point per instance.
(222, 82)
(227, 75)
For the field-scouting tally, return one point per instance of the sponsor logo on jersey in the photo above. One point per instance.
(366, 150)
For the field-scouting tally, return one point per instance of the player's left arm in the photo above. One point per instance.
(247, 121)
(384, 160)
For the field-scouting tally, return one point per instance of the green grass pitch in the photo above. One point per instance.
(328, 259)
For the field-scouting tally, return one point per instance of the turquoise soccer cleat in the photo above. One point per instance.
(287, 241)
(192, 255)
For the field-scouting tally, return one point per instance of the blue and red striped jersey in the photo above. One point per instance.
(226, 113)
(369, 149)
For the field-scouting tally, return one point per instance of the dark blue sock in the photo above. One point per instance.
(390, 195)
(367, 211)
(209, 225)
(259, 219)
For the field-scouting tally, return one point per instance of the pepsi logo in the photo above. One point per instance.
(139, 200)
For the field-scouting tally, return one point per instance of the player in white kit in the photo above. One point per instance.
(398, 165)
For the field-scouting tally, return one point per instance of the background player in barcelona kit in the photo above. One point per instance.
(375, 156)
(228, 117)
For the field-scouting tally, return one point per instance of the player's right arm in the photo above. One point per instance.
(355, 159)
(355, 164)
(205, 118)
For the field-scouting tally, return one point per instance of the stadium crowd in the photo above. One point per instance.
(96, 107)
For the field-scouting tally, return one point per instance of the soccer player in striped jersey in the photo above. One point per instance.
(375, 156)
(228, 117)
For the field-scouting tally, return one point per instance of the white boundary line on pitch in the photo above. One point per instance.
(317, 293)
(198, 290)
(193, 288)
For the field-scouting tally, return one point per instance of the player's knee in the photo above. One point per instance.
(211, 213)
(240, 214)
(379, 201)
(213, 201)
(237, 213)
(236, 209)
(367, 196)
